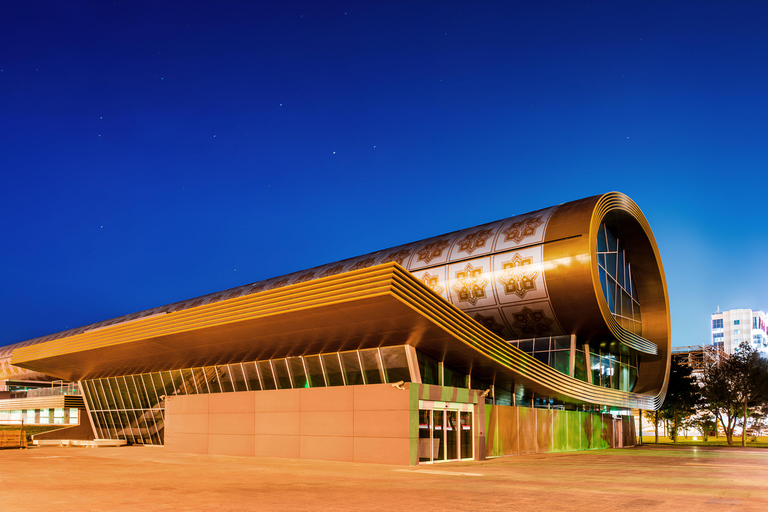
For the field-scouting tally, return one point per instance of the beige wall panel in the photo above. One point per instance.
(186, 443)
(277, 423)
(382, 424)
(232, 423)
(278, 400)
(327, 448)
(239, 445)
(332, 423)
(382, 450)
(277, 446)
(381, 397)
(188, 424)
(337, 398)
(240, 402)
(187, 404)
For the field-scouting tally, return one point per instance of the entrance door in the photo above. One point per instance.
(445, 434)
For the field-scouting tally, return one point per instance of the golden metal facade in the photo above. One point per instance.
(464, 295)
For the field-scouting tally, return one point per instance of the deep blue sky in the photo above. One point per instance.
(155, 151)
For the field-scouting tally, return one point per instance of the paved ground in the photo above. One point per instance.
(142, 478)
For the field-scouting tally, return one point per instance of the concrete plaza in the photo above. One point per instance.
(143, 478)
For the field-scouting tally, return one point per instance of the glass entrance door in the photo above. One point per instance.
(445, 434)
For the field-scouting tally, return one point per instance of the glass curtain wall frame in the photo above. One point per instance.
(132, 407)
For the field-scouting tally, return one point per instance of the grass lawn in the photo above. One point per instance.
(30, 431)
(761, 442)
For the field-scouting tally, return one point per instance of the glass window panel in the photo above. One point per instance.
(611, 289)
(396, 364)
(561, 361)
(542, 356)
(211, 379)
(610, 264)
(624, 379)
(438, 447)
(428, 367)
(169, 386)
(620, 268)
(352, 368)
(526, 346)
(601, 260)
(315, 370)
(178, 382)
(601, 245)
(93, 398)
(466, 435)
(298, 375)
(333, 369)
(138, 395)
(454, 378)
(116, 394)
(238, 379)
(150, 384)
(632, 378)
(626, 304)
(561, 343)
(102, 400)
(580, 366)
(281, 373)
(425, 438)
(266, 374)
(189, 381)
(612, 243)
(104, 395)
(615, 374)
(251, 376)
(225, 380)
(452, 434)
(541, 344)
(595, 366)
(371, 366)
(74, 415)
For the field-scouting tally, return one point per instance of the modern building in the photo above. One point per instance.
(535, 333)
(733, 327)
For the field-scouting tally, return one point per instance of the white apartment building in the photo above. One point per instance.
(731, 328)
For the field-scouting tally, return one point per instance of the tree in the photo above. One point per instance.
(682, 398)
(703, 422)
(732, 385)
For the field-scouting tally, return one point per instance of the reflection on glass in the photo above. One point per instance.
(298, 376)
(466, 435)
(265, 369)
(371, 366)
(395, 364)
(438, 450)
(452, 434)
(352, 368)
(333, 369)
(425, 437)
(315, 371)
(281, 374)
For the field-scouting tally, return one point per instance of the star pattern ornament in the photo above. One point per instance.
(532, 322)
(433, 283)
(338, 269)
(490, 323)
(474, 240)
(470, 284)
(398, 257)
(432, 251)
(522, 229)
(306, 276)
(367, 262)
(516, 278)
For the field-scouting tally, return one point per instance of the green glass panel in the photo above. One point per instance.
(371, 366)
(315, 370)
(333, 369)
(352, 368)
(395, 364)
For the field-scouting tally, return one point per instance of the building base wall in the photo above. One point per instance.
(372, 423)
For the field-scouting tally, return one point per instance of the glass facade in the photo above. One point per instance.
(132, 407)
(617, 282)
(61, 416)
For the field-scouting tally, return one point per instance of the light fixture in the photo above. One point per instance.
(398, 384)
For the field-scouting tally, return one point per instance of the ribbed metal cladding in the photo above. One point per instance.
(43, 402)
(531, 275)
(437, 327)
